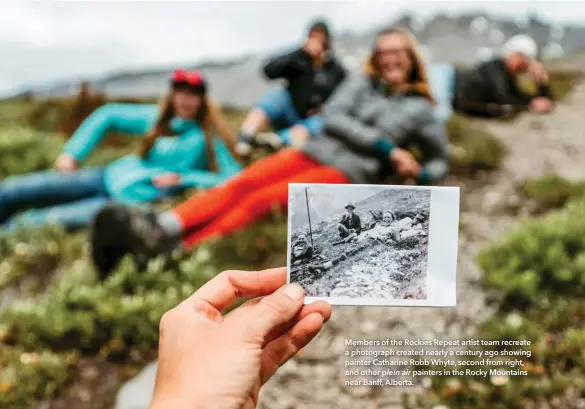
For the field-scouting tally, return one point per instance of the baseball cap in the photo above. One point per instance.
(522, 44)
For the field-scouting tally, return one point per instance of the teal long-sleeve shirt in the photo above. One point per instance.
(129, 179)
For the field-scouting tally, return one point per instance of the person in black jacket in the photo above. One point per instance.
(311, 73)
(490, 89)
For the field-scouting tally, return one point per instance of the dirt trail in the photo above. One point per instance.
(537, 145)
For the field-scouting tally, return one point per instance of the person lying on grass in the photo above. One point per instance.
(210, 360)
(311, 73)
(178, 151)
(369, 121)
(491, 89)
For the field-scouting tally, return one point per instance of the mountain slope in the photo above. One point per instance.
(455, 39)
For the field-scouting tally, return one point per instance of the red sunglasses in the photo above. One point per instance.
(189, 77)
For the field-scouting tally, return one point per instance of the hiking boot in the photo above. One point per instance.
(270, 140)
(244, 149)
(116, 231)
(246, 144)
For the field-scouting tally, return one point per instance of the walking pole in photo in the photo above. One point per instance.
(309, 215)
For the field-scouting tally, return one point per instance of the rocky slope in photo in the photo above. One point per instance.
(386, 261)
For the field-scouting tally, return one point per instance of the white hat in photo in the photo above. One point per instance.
(522, 44)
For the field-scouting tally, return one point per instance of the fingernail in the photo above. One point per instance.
(294, 291)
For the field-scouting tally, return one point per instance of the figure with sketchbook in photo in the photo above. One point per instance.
(369, 122)
(379, 217)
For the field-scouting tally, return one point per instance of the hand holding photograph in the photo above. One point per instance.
(374, 244)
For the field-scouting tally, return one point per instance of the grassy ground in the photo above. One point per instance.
(536, 279)
(57, 324)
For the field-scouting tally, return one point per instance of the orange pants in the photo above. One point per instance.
(250, 195)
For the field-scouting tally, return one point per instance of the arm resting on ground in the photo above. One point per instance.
(134, 119)
(505, 90)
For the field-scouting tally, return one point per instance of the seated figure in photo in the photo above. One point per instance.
(301, 250)
(369, 121)
(293, 111)
(177, 151)
(490, 89)
(350, 224)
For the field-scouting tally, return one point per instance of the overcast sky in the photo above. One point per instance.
(47, 40)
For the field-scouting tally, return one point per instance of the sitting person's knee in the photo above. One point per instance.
(274, 103)
(299, 135)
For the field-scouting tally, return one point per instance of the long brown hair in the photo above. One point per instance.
(418, 80)
(210, 118)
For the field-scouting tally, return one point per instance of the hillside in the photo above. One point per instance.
(461, 38)
(373, 267)
(491, 209)
(53, 307)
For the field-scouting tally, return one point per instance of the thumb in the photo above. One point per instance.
(277, 309)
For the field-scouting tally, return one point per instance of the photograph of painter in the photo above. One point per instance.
(356, 243)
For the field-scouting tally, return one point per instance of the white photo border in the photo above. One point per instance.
(443, 244)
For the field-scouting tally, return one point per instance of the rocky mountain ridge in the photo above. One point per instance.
(464, 39)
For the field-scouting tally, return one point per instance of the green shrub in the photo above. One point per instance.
(116, 318)
(33, 254)
(15, 111)
(471, 148)
(538, 276)
(28, 376)
(542, 259)
(23, 150)
(551, 191)
(556, 365)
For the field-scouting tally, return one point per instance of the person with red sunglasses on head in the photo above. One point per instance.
(179, 150)
(311, 73)
(369, 122)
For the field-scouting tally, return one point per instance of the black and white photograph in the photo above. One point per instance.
(374, 245)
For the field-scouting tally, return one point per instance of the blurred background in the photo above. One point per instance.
(70, 341)
(129, 48)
